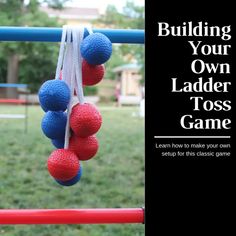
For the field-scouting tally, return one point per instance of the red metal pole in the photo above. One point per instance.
(72, 216)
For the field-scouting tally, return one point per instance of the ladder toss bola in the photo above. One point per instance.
(73, 132)
(70, 122)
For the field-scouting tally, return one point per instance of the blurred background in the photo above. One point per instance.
(115, 177)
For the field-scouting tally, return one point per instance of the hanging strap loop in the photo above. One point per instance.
(89, 29)
(61, 52)
(78, 34)
(72, 71)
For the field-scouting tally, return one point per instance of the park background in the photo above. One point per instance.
(115, 177)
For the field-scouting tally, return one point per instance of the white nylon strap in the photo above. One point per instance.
(67, 63)
(72, 72)
(90, 30)
(78, 34)
(69, 77)
(67, 133)
(61, 52)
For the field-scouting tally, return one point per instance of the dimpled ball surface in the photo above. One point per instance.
(72, 181)
(54, 124)
(92, 74)
(96, 49)
(85, 120)
(84, 148)
(58, 143)
(54, 95)
(63, 164)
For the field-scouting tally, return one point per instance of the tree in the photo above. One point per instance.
(37, 60)
(132, 17)
(56, 4)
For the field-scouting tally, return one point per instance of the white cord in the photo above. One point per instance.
(89, 29)
(61, 52)
(72, 72)
(67, 58)
(67, 133)
(68, 75)
(78, 34)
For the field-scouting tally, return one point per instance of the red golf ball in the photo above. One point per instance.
(85, 120)
(63, 164)
(92, 74)
(84, 148)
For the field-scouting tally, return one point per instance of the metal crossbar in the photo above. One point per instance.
(46, 34)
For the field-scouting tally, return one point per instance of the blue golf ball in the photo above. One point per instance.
(54, 124)
(54, 95)
(58, 143)
(96, 49)
(71, 181)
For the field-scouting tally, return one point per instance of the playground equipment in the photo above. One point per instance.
(15, 101)
(70, 216)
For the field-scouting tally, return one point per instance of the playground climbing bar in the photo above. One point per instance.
(72, 216)
(47, 34)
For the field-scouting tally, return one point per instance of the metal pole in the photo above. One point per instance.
(47, 34)
(72, 216)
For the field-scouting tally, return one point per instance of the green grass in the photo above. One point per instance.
(114, 178)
